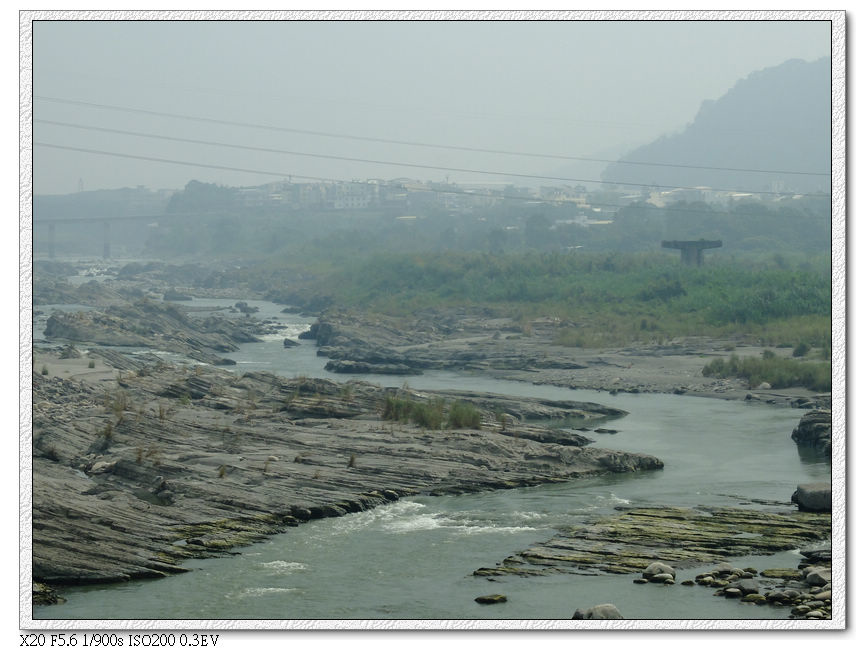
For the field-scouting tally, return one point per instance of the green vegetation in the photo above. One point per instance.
(463, 415)
(431, 415)
(604, 299)
(776, 371)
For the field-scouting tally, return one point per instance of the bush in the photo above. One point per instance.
(429, 415)
(801, 350)
(778, 372)
(464, 416)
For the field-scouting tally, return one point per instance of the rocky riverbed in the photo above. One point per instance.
(135, 471)
(139, 465)
(505, 349)
(655, 541)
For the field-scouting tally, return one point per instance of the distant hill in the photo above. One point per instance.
(774, 119)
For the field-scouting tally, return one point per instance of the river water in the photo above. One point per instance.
(414, 559)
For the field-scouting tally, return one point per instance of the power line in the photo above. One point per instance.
(393, 163)
(391, 184)
(415, 143)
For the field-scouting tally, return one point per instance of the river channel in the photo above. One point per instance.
(413, 559)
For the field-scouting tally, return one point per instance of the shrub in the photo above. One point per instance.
(429, 415)
(801, 350)
(463, 415)
(778, 372)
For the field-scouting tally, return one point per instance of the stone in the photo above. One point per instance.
(748, 586)
(800, 610)
(732, 592)
(289, 343)
(658, 567)
(815, 430)
(813, 497)
(606, 612)
(491, 599)
(823, 595)
(755, 598)
(660, 577)
(818, 577)
(723, 568)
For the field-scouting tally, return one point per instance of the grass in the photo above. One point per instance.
(603, 299)
(463, 415)
(776, 371)
(431, 414)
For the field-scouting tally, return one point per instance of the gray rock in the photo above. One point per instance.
(658, 567)
(818, 577)
(660, 577)
(748, 586)
(491, 599)
(606, 612)
(815, 430)
(813, 497)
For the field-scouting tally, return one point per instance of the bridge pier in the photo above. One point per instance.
(692, 251)
(106, 240)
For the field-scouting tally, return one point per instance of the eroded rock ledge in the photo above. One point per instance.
(133, 476)
(681, 537)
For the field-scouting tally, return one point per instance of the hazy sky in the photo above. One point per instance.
(593, 89)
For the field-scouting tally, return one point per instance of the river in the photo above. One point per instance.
(414, 559)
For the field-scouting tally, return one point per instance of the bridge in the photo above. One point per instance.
(106, 225)
(692, 251)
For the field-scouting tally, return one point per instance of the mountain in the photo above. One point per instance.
(776, 119)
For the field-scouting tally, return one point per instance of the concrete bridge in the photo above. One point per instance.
(692, 251)
(106, 222)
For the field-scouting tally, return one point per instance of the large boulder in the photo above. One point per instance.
(656, 568)
(815, 430)
(606, 612)
(813, 497)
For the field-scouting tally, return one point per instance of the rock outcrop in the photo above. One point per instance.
(813, 497)
(681, 537)
(815, 430)
(149, 324)
(133, 476)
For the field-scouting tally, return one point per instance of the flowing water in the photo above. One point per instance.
(413, 559)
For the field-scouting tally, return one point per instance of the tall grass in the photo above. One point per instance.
(431, 414)
(615, 298)
(776, 371)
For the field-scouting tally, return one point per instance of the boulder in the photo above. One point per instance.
(818, 577)
(606, 612)
(815, 430)
(813, 497)
(289, 343)
(748, 586)
(656, 568)
(661, 577)
(491, 599)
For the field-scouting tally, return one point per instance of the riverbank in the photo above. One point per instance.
(506, 349)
